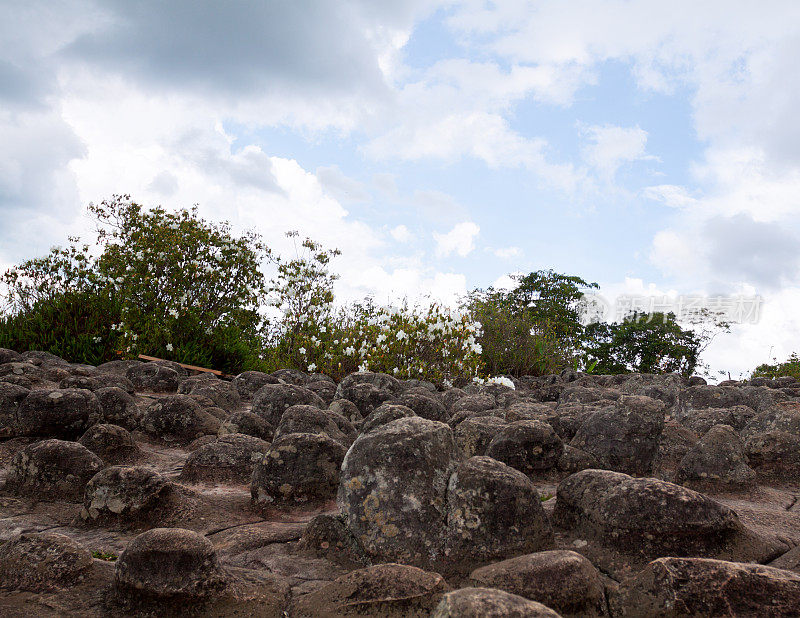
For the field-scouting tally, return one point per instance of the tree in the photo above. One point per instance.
(790, 367)
(643, 343)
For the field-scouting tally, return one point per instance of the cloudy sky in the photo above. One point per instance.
(653, 147)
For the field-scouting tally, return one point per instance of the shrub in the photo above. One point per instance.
(789, 367)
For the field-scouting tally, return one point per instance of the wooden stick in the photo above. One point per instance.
(216, 372)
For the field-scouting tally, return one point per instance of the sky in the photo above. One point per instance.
(651, 147)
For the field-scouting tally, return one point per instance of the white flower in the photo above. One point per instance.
(173, 313)
(120, 279)
(302, 351)
(322, 329)
(97, 339)
(401, 335)
(350, 351)
(363, 367)
(169, 347)
(503, 381)
(312, 367)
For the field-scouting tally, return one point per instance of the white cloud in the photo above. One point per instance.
(610, 147)
(460, 240)
(670, 195)
(401, 234)
(506, 253)
(340, 186)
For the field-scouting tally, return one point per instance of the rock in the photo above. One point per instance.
(326, 390)
(387, 590)
(474, 435)
(583, 394)
(775, 454)
(178, 418)
(567, 419)
(327, 536)
(528, 446)
(393, 489)
(384, 414)
(474, 403)
(460, 417)
(381, 381)
(118, 367)
(574, 460)
(111, 443)
(22, 370)
(562, 580)
(249, 424)
(11, 395)
(450, 396)
(489, 603)
(700, 421)
(674, 443)
(708, 396)
(308, 419)
(299, 468)
(424, 406)
(154, 377)
(230, 459)
(291, 376)
(222, 393)
(717, 461)
(493, 511)
(782, 417)
(41, 358)
(169, 564)
(43, 562)
(702, 587)
(528, 411)
(625, 437)
(272, 400)
(651, 518)
(52, 470)
(98, 381)
(248, 382)
(124, 493)
(118, 408)
(347, 409)
(367, 397)
(8, 356)
(56, 413)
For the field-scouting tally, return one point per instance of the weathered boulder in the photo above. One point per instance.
(587, 394)
(775, 454)
(118, 407)
(118, 367)
(574, 460)
(781, 417)
(272, 400)
(529, 446)
(625, 437)
(111, 443)
(326, 390)
(424, 406)
(178, 418)
(652, 518)
(702, 587)
(309, 419)
(247, 383)
(223, 393)
(299, 468)
(347, 409)
(526, 410)
(8, 356)
(474, 403)
(230, 459)
(460, 417)
(387, 590)
(489, 603)
(384, 414)
(52, 470)
(291, 376)
(673, 445)
(11, 395)
(249, 424)
(381, 381)
(562, 580)
(493, 511)
(393, 489)
(474, 435)
(327, 536)
(154, 377)
(56, 413)
(717, 461)
(169, 564)
(700, 421)
(43, 562)
(450, 396)
(124, 494)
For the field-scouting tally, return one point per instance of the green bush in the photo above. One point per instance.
(789, 367)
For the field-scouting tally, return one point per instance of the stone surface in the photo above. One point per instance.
(529, 446)
(154, 377)
(111, 443)
(59, 413)
(42, 562)
(123, 493)
(249, 424)
(118, 407)
(717, 460)
(489, 603)
(230, 459)
(178, 418)
(272, 400)
(473, 435)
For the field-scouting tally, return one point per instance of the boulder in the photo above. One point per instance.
(221, 392)
(178, 418)
(652, 518)
(248, 383)
(775, 454)
(387, 590)
(298, 469)
(460, 417)
(291, 376)
(700, 421)
(326, 390)
(347, 409)
(43, 562)
(673, 445)
(624, 438)
(489, 603)
(425, 406)
(111, 443)
(8, 356)
(230, 459)
(474, 403)
(169, 564)
(560, 579)
(493, 511)
(61, 414)
(584, 394)
(272, 400)
(474, 435)
(11, 395)
(124, 494)
(249, 424)
(393, 489)
(384, 414)
(327, 536)
(381, 381)
(574, 460)
(782, 417)
(529, 446)
(308, 419)
(717, 461)
(450, 396)
(702, 587)
(154, 377)
(52, 470)
(118, 408)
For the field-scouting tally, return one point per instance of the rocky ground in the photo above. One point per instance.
(134, 488)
